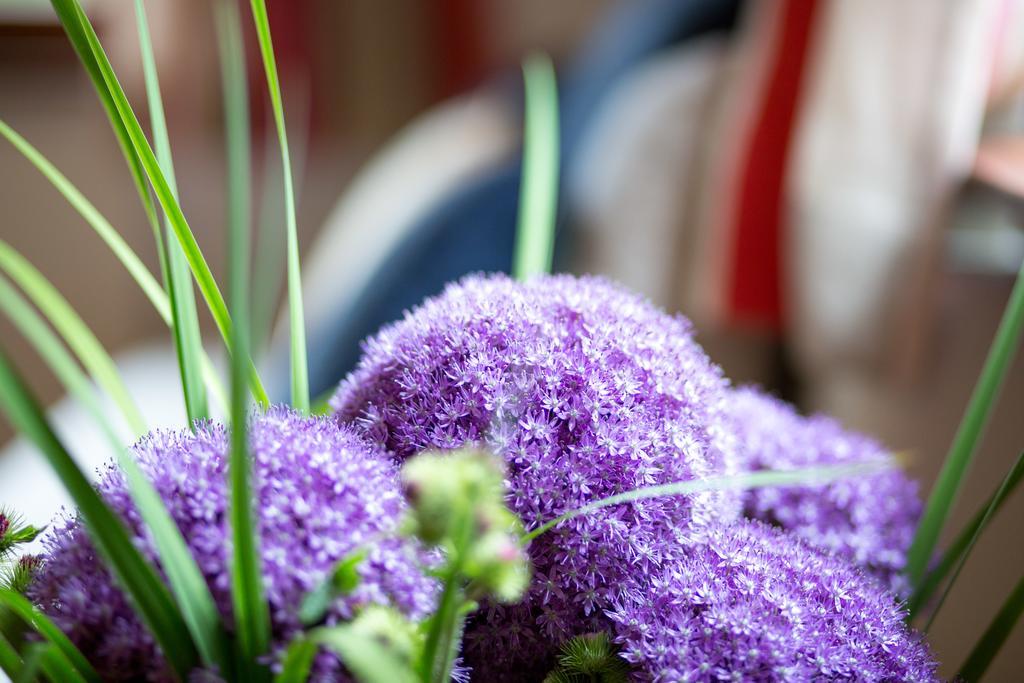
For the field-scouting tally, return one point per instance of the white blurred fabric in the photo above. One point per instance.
(633, 182)
(890, 120)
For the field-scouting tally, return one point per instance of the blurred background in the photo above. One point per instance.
(832, 190)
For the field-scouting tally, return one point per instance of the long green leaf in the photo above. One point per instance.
(49, 631)
(200, 269)
(140, 580)
(365, 657)
(297, 661)
(186, 579)
(187, 338)
(995, 635)
(67, 15)
(538, 194)
(989, 512)
(54, 664)
(956, 549)
(76, 35)
(128, 258)
(299, 369)
(752, 480)
(187, 583)
(271, 260)
(78, 335)
(10, 661)
(49, 347)
(961, 452)
(96, 220)
(252, 617)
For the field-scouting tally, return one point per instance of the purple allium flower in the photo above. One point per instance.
(870, 520)
(320, 491)
(754, 603)
(587, 391)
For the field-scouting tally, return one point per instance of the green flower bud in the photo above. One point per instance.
(443, 488)
(498, 567)
(13, 532)
(19, 574)
(391, 630)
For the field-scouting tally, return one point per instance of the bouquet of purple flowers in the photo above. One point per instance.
(533, 479)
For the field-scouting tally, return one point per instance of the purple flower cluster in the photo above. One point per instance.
(321, 492)
(586, 391)
(753, 603)
(870, 520)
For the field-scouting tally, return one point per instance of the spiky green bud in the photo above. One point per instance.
(587, 659)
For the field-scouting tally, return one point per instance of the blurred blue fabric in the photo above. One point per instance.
(473, 229)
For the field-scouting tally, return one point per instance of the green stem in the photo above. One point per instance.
(538, 189)
(955, 550)
(753, 480)
(447, 622)
(961, 452)
(439, 643)
(989, 511)
(995, 636)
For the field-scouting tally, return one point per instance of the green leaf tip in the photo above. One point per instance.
(538, 189)
(297, 325)
(110, 236)
(188, 341)
(80, 30)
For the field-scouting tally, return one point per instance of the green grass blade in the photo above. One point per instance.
(48, 630)
(10, 660)
(989, 512)
(752, 480)
(299, 369)
(252, 617)
(200, 269)
(297, 662)
(538, 193)
(71, 327)
(271, 257)
(995, 635)
(956, 549)
(55, 665)
(72, 27)
(124, 253)
(322, 404)
(49, 347)
(67, 14)
(187, 338)
(30, 668)
(368, 659)
(187, 583)
(141, 583)
(961, 452)
(150, 287)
